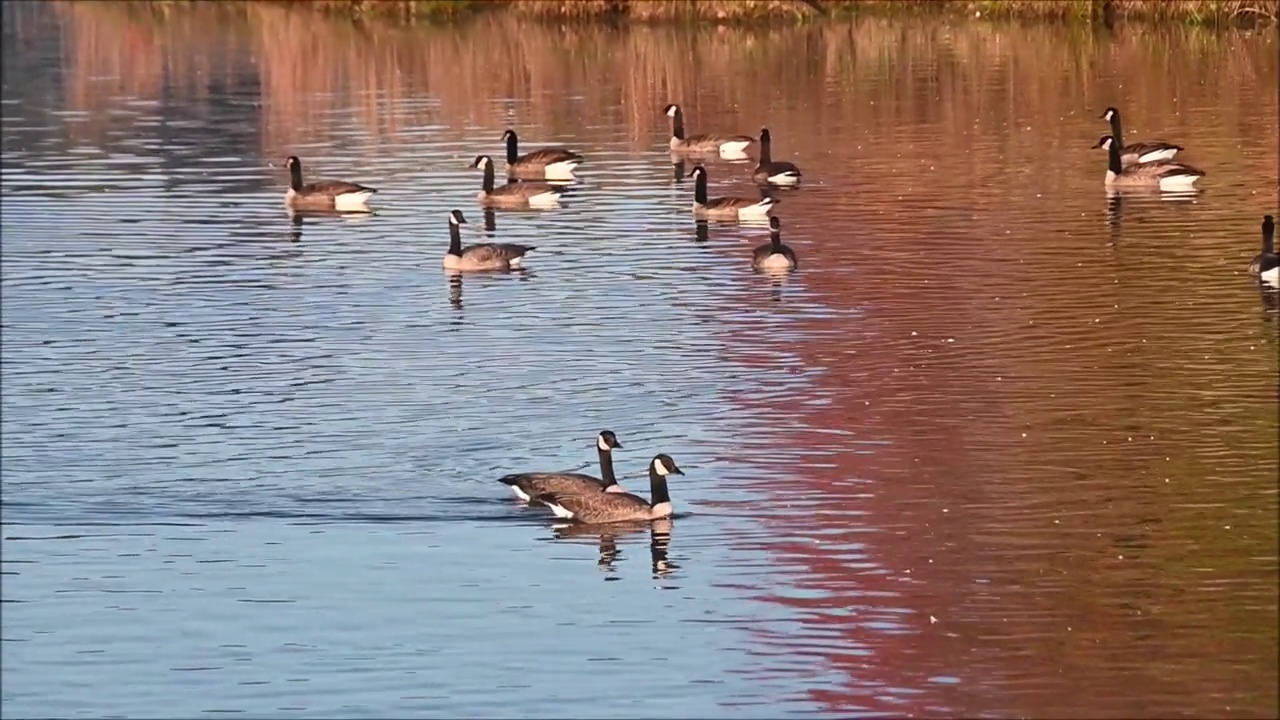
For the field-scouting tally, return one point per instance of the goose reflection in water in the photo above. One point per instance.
(608, 540)
(297, 219)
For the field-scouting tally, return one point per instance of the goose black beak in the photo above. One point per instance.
(616, 444)
(676, 471)
(1096, 145)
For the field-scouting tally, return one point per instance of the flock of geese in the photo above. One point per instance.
(535, 180)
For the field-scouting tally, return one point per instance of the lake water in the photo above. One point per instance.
(1003, 446)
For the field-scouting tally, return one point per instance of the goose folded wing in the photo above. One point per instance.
(732, 203)
(780, 167)
(549, 156)
(542, 483)
(489, 252)
(596, 505)
(1142, 148)
(334, 188)
(525, 189)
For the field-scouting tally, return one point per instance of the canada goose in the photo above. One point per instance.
(770, 171)
(1266, 267)
(516, 194)
(708, 142)
(773, 255)
(326, 194)
(596, 508)
(725, 208)
(528, 485)
(1165, 174)
(1139, 152)
(484, 256)
(553, 163)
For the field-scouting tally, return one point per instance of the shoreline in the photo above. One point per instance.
(1214, 13)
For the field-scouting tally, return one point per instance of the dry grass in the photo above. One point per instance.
(1188, 11)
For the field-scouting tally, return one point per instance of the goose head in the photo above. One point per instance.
(606, 440)
(662, 465)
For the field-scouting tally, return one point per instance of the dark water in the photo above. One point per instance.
(1003, 447)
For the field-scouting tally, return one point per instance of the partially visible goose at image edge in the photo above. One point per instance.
(551, 163)
(1138, 152)
(1266, 266)
(1164, 174)
(336, 195)
(599, 508)
(774, 172)
(726, 208)
(514, 194)
(483, 256)
(527, 485)
(705, 142)
(774, 255)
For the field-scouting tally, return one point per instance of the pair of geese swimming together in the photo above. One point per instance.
(596, 501)
(1144, 164)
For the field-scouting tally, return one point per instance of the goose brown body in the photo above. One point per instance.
(555, 163)
(726, 208)
(774, 255)
(1138, 152)
(600, 508)
(1164, 174)
(513, 194)
(529, 485)
(481, 257)
(770, 171)
(325, 194)
(1266, 266)
(705, 142)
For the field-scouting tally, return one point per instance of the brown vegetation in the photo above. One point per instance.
(1191, 11)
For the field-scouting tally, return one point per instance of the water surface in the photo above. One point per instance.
(1003, 446)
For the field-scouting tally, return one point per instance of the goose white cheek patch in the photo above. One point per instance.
(600, 443)
(659, 468)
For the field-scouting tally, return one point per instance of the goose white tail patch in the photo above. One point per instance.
(734, 147)
(562, 170)
(1162, 154)
(559, 511)
(520, 493)
(776, 261)
(1178, 182)
(352, 201)
(760, 208)
(1271, 277)
(545, 199)
(516, 261)
(785, 178)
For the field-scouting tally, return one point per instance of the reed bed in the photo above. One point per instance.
(1186, 11)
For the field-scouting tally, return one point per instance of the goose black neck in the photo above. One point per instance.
(606, 467)
(1113, 156)
(700, 189)
(512, 148)
(295, 176)
(658, 488)
(455, 240)
(1268, 239)
(766, 155)
(488, 177)
(775, 239)
(1115, 129)
(677, 125)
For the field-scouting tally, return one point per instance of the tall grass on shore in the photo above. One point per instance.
(1206, 12)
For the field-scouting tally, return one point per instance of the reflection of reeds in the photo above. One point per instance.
(310, 66)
